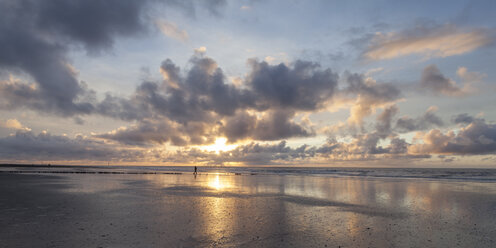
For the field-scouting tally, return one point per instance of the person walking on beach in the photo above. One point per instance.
(196, 169)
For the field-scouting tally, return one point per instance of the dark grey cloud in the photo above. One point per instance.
(376, 92)
(434, 81)
(279, 126)
(465, 118)
(36, 36)
(398, 146)
(144, 134)
(206, 80)
(427, 120)
(196, 95)
(304, 86)
(275, 125)
(123, 108)
(45, 146)
(93, 23)
(240, 126)
(15, 94)
(384, 119)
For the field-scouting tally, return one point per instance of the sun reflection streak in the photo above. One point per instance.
(218, 183)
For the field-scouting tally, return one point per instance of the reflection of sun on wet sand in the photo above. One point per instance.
(228, 210)
(219, 184)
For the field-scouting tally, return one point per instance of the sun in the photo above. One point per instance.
(219, 146)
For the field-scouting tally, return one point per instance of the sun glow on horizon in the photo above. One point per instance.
(219, 146)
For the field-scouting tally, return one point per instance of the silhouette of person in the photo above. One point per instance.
(196, 170)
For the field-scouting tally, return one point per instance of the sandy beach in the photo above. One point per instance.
(228, 210)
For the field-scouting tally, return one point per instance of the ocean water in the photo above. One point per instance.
(425, 173)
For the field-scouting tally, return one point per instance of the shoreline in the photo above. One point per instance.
(479, 175)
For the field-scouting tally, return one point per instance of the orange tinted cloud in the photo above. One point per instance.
(439, 42)
(171, 30)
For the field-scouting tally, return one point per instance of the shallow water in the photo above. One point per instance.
(428, 173)
(264, 210)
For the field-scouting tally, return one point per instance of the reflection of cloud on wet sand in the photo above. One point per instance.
(301, 200)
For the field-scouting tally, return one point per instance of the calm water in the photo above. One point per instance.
(427, 173)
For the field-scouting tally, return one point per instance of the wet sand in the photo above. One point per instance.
(226, 210)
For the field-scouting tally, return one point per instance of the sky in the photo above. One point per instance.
(248, 83)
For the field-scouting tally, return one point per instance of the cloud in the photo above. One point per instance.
(93, 23)
(255, 153)
(273, 125)
(469, 77)
(203, 95)
(465, 118)
(279, 126)
(240, 126)
(152, 132)
(171, 30)
(384, 119)
(13, 124)
(427, 120)
(369, 95)
(25, 145)
(37, 35)
(196, 95)
(478, 137)
(433, 80)
(16, 94)
(364, 147)
(35, 39)
(200, 50)
(249, 154)
(303, 86)
(428, 41)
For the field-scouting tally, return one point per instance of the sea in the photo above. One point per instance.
(471, 174)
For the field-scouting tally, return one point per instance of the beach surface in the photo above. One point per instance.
(217, 209)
